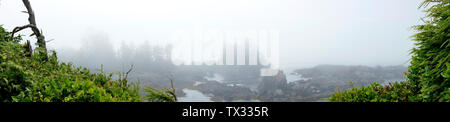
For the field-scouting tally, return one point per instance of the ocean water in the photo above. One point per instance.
(194, 96)
(197, 96)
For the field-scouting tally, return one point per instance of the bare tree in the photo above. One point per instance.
(170, 76)
(36, 32)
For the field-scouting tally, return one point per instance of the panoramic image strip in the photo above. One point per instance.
(224, 59)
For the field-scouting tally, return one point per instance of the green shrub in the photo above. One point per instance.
(394, 92)
(430, 62)
(154, 95)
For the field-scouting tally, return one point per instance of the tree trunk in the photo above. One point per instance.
(35, 29)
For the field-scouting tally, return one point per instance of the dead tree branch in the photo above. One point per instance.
(32, 20)
(126, 75)
(173, 88)
(20, 28)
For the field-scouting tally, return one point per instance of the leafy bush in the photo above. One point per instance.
(394, 92)
(430, 62)
(154, 95)
(429, 72)
(36, 79)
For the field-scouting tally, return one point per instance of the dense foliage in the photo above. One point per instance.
(155, 95)
(429, 72)
(32, 78)
(394, 92)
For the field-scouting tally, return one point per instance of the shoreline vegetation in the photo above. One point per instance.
(429, 72)
(37, 77)
(29, 75)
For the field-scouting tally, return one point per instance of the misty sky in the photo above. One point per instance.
(348, 32)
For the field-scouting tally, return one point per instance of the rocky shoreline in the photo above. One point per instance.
(315, 84)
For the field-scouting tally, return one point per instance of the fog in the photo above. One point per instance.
(311, 32)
